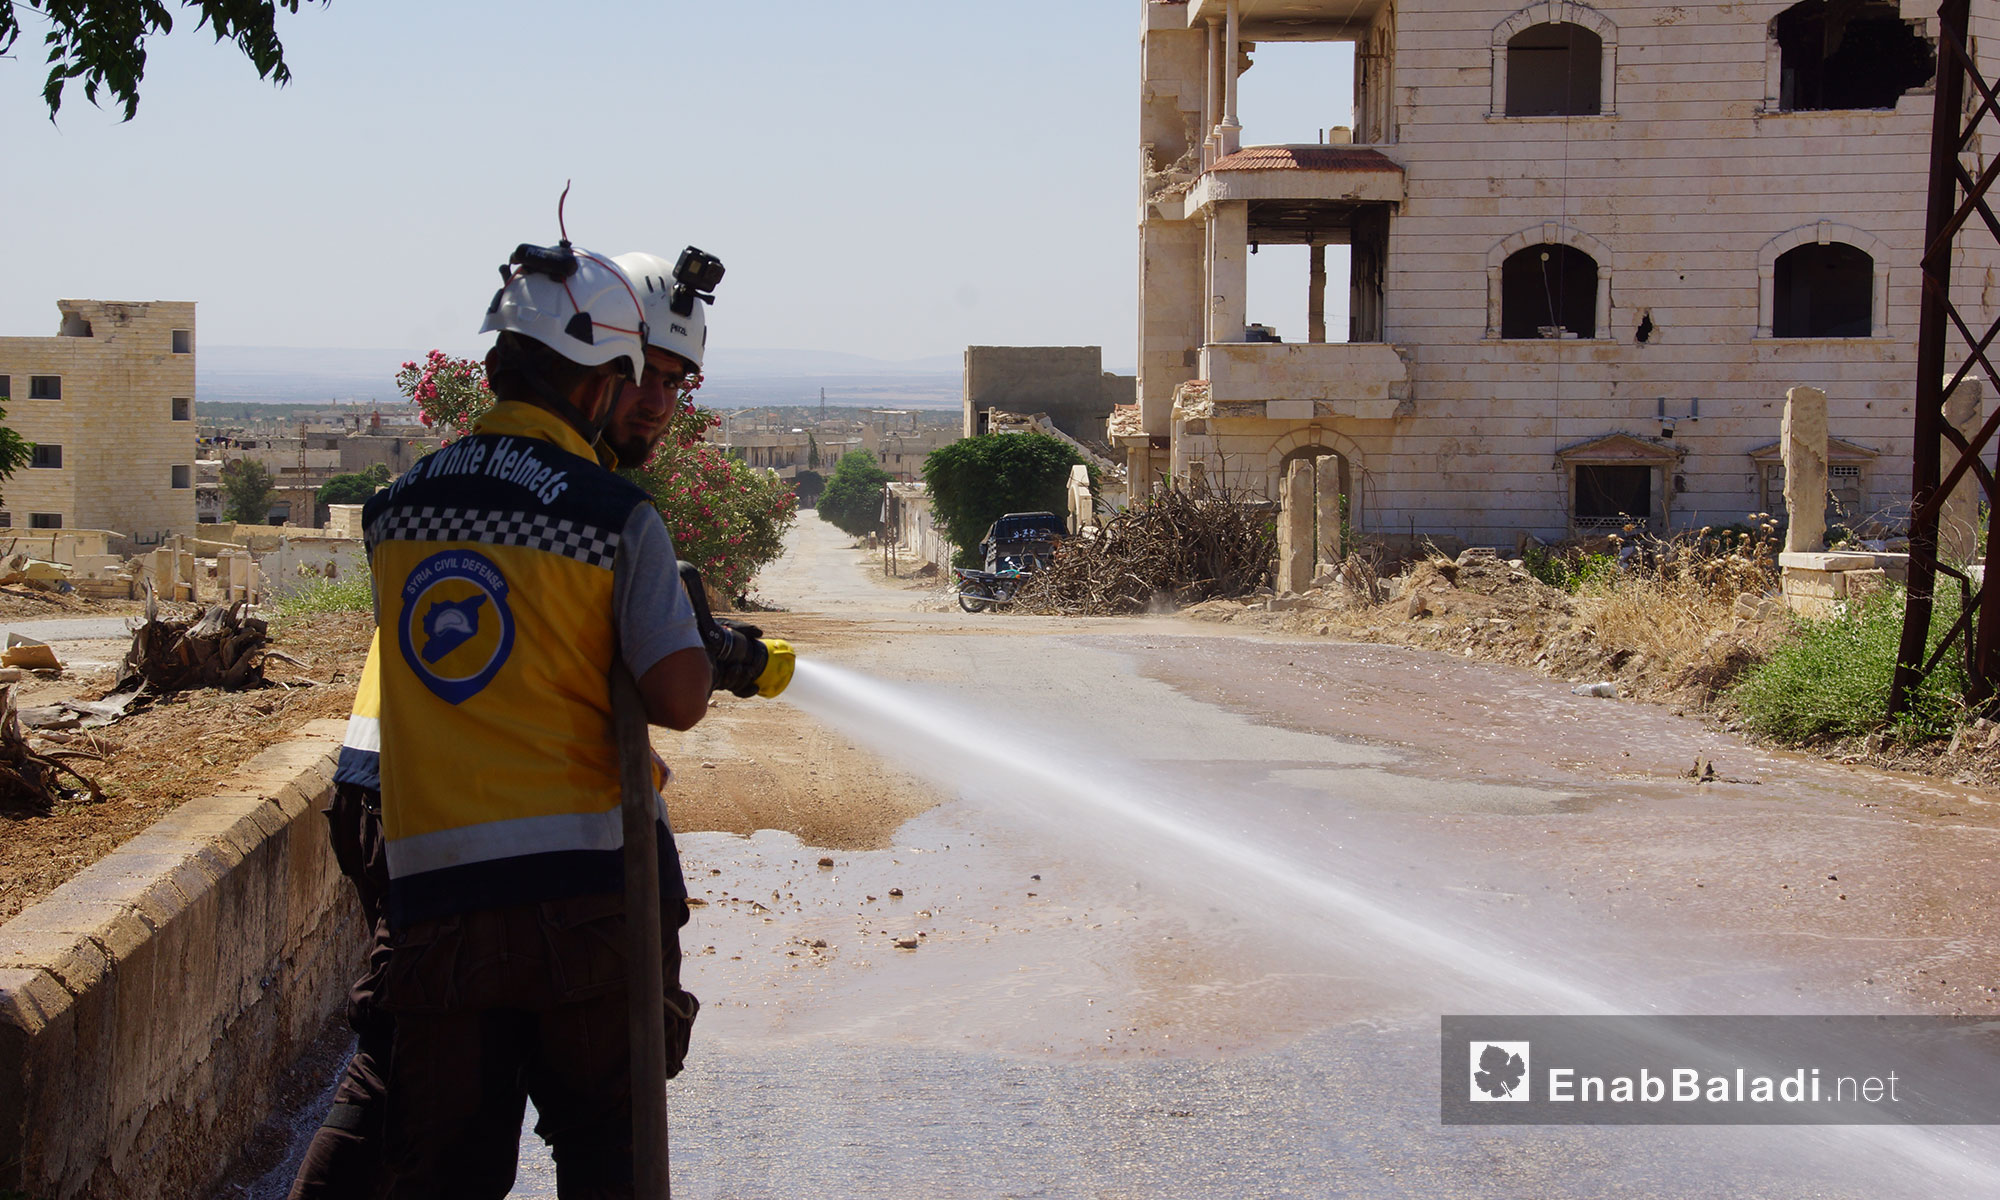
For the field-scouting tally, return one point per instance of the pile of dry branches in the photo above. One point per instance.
(222, 648)
(31, 780)
(1182, 544)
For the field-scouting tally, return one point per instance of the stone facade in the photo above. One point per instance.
(1526, 285)
(109, 402)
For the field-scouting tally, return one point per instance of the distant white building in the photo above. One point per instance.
(1591, 247)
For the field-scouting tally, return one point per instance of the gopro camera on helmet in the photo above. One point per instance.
(695, 277)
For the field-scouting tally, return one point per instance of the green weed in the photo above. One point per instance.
(1830, 678)
(327, 596)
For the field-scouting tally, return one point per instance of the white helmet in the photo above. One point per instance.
(676, 311)
(579, 304)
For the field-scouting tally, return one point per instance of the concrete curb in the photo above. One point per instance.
(149, 1006)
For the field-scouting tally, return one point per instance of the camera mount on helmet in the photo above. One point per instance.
(695, 277)
(558, 262)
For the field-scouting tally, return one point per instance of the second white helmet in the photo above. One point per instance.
(577, 303)
(682, 333)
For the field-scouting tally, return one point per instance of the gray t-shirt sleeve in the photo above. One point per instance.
(655, 618)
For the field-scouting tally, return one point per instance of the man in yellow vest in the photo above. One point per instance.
(512, 574)
(344, 1159)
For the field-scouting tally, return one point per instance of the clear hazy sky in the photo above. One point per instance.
(896, 179)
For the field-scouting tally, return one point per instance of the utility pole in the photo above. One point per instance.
(822, 404)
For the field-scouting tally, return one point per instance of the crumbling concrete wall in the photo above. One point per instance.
(149, 1006)
(1066, 382)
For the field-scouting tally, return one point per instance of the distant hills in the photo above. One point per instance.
(737, 378)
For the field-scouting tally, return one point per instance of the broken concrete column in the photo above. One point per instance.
(1295, 528)
(1958, 516)
(1802, 439)
(1316, 294)
(239, 565)
(163, 568)
(1326, 497)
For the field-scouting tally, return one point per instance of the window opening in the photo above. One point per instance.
(1548, 291)
(1846, 54)
(1278, 293)
(44, 387)
(183, 476)
(1555, 70)
(1823, 291)
(46, 456)
(74, 325)
(45, 520)
(183, 408)
(6, 389)
(1611, 496)
(183, 341)
(1295, 91)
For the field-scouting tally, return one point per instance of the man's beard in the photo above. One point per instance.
(632, 452)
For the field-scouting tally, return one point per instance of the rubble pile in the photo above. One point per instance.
(224, 647)
(1185, 544)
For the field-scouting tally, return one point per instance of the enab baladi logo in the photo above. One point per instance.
(457, 629)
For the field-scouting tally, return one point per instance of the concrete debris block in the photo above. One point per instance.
(29, 654)
(1802, 440)
(22, 568)
(1604, 689)
(1284, 602)
(906, 943)
(1759, 608)
(1862, 584)
(1816, 585)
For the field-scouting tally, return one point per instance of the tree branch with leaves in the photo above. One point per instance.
(103, 42)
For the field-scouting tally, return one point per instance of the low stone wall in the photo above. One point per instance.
(149, 1006)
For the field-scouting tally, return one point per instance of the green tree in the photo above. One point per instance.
(807, 485)
(103, 42)
(852, 501)
(15, 451)
(975, 481)
(354, 488)
(812, 451)
(247, 492)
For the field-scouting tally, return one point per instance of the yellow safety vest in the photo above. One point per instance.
(492, 563)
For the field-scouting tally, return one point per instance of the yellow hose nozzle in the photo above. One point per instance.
(778, 666)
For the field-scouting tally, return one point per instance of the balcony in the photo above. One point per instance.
(1299, 381)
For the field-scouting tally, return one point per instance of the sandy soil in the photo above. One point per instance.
(179, 748)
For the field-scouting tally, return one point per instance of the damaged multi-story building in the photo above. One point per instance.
(109, 404)
(1590, 248)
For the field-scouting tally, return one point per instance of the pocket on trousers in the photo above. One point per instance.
(423, 967)
(680, 1008)
(586, 946)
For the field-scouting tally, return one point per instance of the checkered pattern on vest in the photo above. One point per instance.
(569, 538)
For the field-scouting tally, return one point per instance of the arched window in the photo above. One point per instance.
(1553, 70)
(1848, 55)
(1548, 291)
(1823, 290)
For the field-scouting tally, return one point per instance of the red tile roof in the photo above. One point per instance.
(1306, 158)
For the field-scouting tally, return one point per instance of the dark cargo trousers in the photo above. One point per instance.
(496, 1007)
(344, 1160)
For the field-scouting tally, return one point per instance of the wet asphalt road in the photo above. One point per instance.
(1188, 918)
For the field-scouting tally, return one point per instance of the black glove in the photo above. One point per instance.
(736, 653)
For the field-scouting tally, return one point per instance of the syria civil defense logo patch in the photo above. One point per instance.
(457, 629)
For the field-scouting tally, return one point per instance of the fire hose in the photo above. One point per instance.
(742, 662)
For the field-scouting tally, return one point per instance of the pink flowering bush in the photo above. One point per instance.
(449, 393)
(725, 517)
